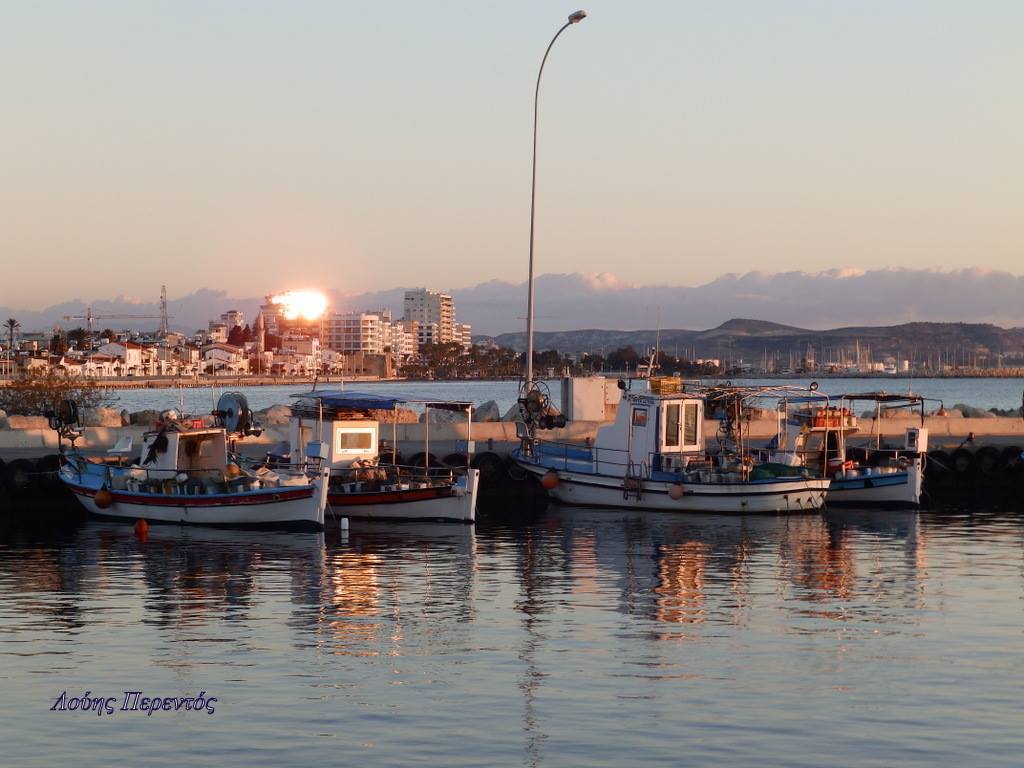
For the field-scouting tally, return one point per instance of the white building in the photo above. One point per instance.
(434, 312)
(271, 314)
(223, 357)
(128, 354)
(400, 340)
(464, 335)
(233, 318)
(350, 332)
(217, 333)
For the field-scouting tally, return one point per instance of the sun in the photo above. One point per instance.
(309, 305)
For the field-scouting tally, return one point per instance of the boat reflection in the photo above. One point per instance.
(699, 570)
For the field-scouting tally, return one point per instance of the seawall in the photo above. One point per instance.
(500, 437)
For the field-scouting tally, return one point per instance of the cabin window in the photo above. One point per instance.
(672, 426)
(690, 424)
(354, 441)
(639, 417)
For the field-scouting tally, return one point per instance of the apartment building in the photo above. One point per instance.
(433, 312)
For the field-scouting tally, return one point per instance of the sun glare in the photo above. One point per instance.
(308, 305)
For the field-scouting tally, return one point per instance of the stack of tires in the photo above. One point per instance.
(987, 471)
(32, 487)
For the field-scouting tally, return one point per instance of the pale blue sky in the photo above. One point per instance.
(362, 145)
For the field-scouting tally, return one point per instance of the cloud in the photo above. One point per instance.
(827, 299)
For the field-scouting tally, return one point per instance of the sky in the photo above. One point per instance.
(256, 146)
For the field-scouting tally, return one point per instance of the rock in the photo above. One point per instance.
(275, 415)
(512, 414)
(101, 417)
(439, 416)
(28, 422)
(487, 412)
(144, 418)
(397, 416)
(970, 412)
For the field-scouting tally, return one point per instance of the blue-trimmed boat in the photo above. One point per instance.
(654, 456)
(865, 472)
(185, 475)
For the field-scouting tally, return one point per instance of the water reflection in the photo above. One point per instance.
(539, 636)
(667, 569)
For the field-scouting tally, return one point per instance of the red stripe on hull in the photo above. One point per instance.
(233, 500)
(387, 497)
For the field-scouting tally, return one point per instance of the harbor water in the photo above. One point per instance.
(582, 637)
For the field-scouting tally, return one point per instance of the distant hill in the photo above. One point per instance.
(745, 327)
(752, 340)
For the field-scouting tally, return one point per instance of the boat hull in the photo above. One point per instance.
(299, 507)
(456, 502)
(778, 496)
(891, 490)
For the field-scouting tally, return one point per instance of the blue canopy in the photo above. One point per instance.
(353, 400)
(809, 399)
(332, 398)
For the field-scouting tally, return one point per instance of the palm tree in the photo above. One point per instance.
(12, 326)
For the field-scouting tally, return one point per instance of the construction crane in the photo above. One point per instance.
(89, 317)
(162, 317)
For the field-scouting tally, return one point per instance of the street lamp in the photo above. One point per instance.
(574, 18)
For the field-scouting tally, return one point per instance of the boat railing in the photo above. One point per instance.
(391, 477)
(664, 466)
(370, 476)
(568, 456)
(233, 478)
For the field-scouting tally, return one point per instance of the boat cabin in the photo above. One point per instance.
(336, 427)
(344, 428)
(167, 452)
(659, 431)
(338, 442)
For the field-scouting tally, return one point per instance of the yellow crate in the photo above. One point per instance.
(666, 385)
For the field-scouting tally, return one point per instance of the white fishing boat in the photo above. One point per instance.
(864, 471)
(184, 474)
(655, 456)
(366, 482)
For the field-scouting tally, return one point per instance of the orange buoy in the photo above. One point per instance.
(232, 470)
(675, 491)
(550, 480)
(141, 528)
(103, 498)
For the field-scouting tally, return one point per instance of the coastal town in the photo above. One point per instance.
(297, 335)
(292, 336)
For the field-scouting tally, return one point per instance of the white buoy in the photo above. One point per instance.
(344, 523)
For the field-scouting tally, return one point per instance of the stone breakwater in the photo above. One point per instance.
(103, 427)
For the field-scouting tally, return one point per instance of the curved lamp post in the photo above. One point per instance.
(574, 18)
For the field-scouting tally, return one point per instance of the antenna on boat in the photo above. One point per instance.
(653, 360)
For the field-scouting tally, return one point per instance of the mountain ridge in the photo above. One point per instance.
(794, 301)
(757, 338)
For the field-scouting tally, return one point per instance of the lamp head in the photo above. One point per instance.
(576, 18)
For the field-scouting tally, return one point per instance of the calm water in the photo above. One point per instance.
(582, 638)
(982, 393)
